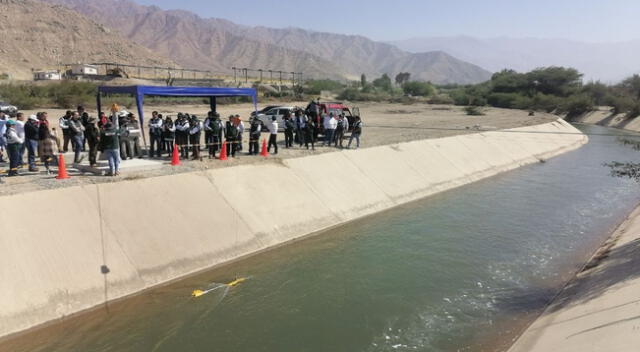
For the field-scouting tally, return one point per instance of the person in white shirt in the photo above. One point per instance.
(20, 131)
(14, 143)
(273, 135)
(330, 125)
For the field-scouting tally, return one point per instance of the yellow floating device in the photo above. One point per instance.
(236, 281)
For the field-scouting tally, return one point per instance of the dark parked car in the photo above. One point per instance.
(263, 110)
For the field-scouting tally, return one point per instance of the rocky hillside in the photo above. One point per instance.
(39, 35)
(219, 44)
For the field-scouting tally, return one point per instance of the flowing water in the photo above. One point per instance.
(464, 270)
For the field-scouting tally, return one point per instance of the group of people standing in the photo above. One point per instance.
(34, 136)
(120, 140)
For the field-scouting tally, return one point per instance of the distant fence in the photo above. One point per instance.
(236, 74)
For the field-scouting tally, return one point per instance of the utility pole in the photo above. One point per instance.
(293, 78)
(280, 72)
(270, 76)
(260, 70)
(235, 78)
(246, 75)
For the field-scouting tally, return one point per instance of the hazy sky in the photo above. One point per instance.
(585, 20)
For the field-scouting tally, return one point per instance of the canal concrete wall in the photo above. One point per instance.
(153, 230)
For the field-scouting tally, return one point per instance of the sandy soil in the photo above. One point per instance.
(383, 124)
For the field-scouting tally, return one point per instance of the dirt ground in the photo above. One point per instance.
(382, 124)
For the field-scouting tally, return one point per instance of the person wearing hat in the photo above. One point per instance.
(273, 135)
(32, 135)
(92, 136)
(77, 135)
(14, 143)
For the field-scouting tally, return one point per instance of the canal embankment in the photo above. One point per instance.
(97, 243)
(599, 309)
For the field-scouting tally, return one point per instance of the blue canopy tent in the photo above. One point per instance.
(140, 91)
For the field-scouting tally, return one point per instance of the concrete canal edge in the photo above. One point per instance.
(154, 230)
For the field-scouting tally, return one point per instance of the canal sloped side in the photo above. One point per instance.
(154, 230)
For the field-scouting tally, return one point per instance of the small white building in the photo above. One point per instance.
(82, 69)
(50, 75)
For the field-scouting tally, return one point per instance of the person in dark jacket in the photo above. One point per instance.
(194, 136)
(31, 133)
(182, 135)
(168, 134)
(92, 135)
(288, 131)
(155, 135)
(231, 134)
(110, 145)
(63, 122)
(254, 136)
(217, 129)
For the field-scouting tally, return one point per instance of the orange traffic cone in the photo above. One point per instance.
(223, 152)
(175, 160)
(62, 168)
(264, 151)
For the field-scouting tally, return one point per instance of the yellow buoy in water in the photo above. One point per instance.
(236, 281)
(197, 293)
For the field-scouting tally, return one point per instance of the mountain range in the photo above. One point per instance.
(218, 44)
(64, 36)
(607, 62)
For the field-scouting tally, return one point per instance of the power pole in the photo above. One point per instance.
(293, 78)
(260, 70)
(235, 77)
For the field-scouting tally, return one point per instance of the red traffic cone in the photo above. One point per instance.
(223, 152)
(264, 151)
(175, 160)
(62, 169)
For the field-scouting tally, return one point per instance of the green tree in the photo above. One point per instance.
(383, 83)
(559, 81)
(402, 78)
(363, 80)
(418, 89)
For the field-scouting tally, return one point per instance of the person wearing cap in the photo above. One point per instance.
(155, 135)
(92, 136)
(273, 135)
(63, 122)
(14, 143)
(32, 135)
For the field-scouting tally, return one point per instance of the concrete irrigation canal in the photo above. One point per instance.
(467, 269)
